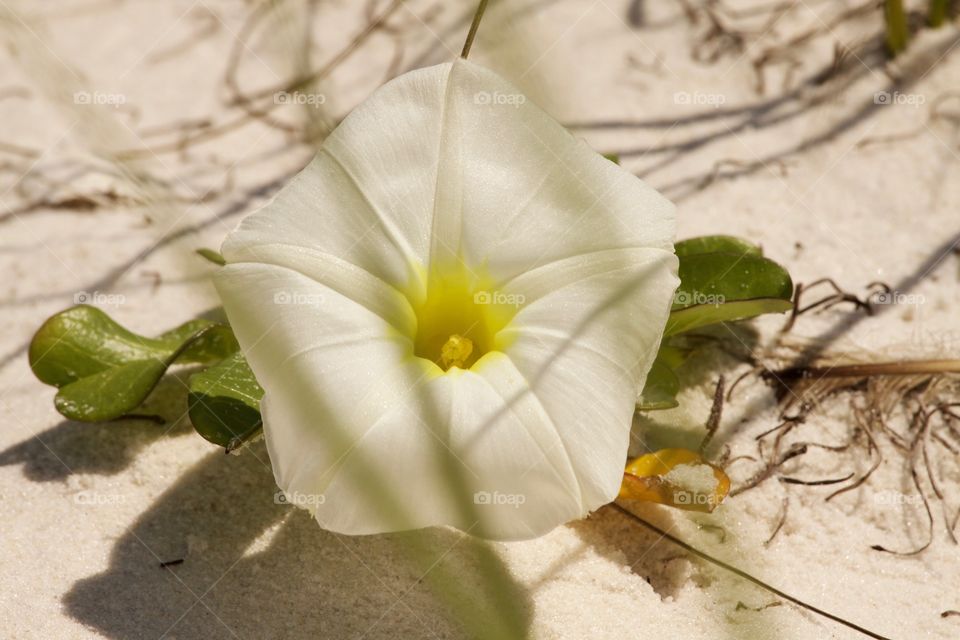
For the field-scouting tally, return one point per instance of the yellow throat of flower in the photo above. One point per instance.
(459, 321)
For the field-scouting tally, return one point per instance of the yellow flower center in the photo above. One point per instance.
(456, 351)
(459, 321)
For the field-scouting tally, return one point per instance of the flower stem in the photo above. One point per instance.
(477, 17)
(901, 368)
(898, 33)
(939, 10)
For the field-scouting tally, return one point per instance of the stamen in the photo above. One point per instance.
(455, 351)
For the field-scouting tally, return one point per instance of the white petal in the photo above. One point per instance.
(479, 452)
(520, 464)
(346, 279)
(516, 190)
(330, 368)
(368, 195)
(433, 166)
(585, 340)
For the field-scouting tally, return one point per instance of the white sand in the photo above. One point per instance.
(695, 478)
(89, 511)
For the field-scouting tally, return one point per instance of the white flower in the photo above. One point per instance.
(457, 295)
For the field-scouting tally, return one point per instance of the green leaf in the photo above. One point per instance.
(696, 317)
(661, 388)
(83, 341)
(715, 244)
(727, 286)
(722, 278)
(224, 403)
(217, 344)
(105, 371)
(673, 355)
(110, 394)
(117, 391)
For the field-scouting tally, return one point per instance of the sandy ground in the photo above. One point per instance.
(89, 511)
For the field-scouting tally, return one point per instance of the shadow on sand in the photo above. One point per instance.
(297, 581)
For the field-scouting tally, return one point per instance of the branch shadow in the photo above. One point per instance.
(821, 87)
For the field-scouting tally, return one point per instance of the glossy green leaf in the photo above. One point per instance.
(661, 388)
(110, 394)
(673, 355)
(117, 391)
(701, 316)
(722, 278)
(715, 244)
(224, 402)
(83, 341)
(217, 343)
(722, 287)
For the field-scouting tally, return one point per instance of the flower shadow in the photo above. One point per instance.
(255, 568)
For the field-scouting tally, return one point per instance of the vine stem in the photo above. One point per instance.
(898, 30)
(901, 368)
(939, 12)
(744, 575)
(474, 26)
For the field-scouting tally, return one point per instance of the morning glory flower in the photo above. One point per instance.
(460, 296)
